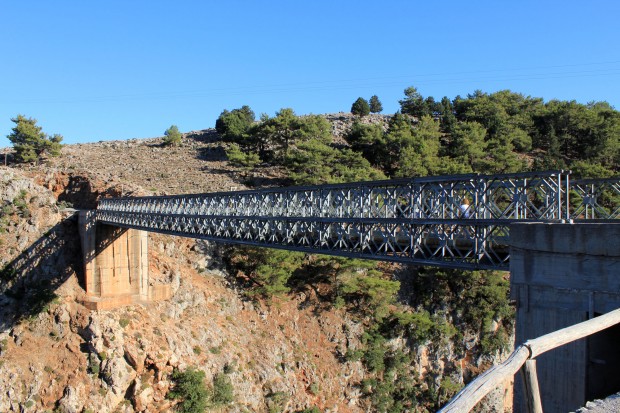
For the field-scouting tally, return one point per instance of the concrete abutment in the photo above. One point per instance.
(562, 274)
(116, 269)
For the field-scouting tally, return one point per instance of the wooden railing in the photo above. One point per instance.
(524, 357)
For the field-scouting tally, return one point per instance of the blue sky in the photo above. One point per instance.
(95, 71)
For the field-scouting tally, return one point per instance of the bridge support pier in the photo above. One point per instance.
(562, 274)
(116, 269)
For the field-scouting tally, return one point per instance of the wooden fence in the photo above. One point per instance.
(524, 358)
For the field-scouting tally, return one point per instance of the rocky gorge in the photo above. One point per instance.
(57, 355)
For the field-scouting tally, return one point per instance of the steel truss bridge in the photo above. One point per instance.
(423, 221)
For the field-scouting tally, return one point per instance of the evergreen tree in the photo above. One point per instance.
(360, 107)
(313, 162)
(268, 270)
(448, 120)
(30, 142)
(468, 144)
(369, 140)
(414, 103)
(172, 136)
(286, 130)
(190, 389)
(245, 160)
(419, 153)
(233, 125)
(375, 104)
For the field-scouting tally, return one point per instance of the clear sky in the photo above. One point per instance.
(126, 69)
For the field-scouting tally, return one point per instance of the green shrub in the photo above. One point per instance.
(314, 388)
(172, 136)
(234, 125)
(93, 364)
(239, 158)
(222, 392)
(312, 409)
(123, 322)
(277, 401)
(266, 270)
(189, 388)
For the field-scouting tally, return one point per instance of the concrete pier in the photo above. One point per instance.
(116, 265)
(562, 274)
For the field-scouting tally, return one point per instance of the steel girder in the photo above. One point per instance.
(417, 221)
(447, 243)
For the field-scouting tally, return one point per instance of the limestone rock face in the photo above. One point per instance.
(135, 357)
(117, 374)
(72, 400)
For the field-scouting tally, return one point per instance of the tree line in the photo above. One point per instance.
(501, 132)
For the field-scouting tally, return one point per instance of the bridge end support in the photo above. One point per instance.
(560, 275)
(116, 270)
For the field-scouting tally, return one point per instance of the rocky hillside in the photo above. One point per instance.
(56, 355)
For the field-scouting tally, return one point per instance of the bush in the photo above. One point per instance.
(172, 136)
(222, 392)
(190, 389)
(277, 401)
(312, 409)
(314, 388)
(7, 273)
(93, 364)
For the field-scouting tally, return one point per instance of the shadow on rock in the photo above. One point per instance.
(28, 284)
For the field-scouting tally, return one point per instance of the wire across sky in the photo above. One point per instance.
(131, 69)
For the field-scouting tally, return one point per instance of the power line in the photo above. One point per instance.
(504, 74)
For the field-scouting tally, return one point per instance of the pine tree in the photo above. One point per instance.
(233, 125)
(360, 107)
(30, 142)
(375, 104)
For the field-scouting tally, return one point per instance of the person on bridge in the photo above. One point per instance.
(465, 208)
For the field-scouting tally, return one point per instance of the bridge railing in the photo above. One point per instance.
(523, 358)
(534, 196)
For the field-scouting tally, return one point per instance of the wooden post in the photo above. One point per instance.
(530, 382)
